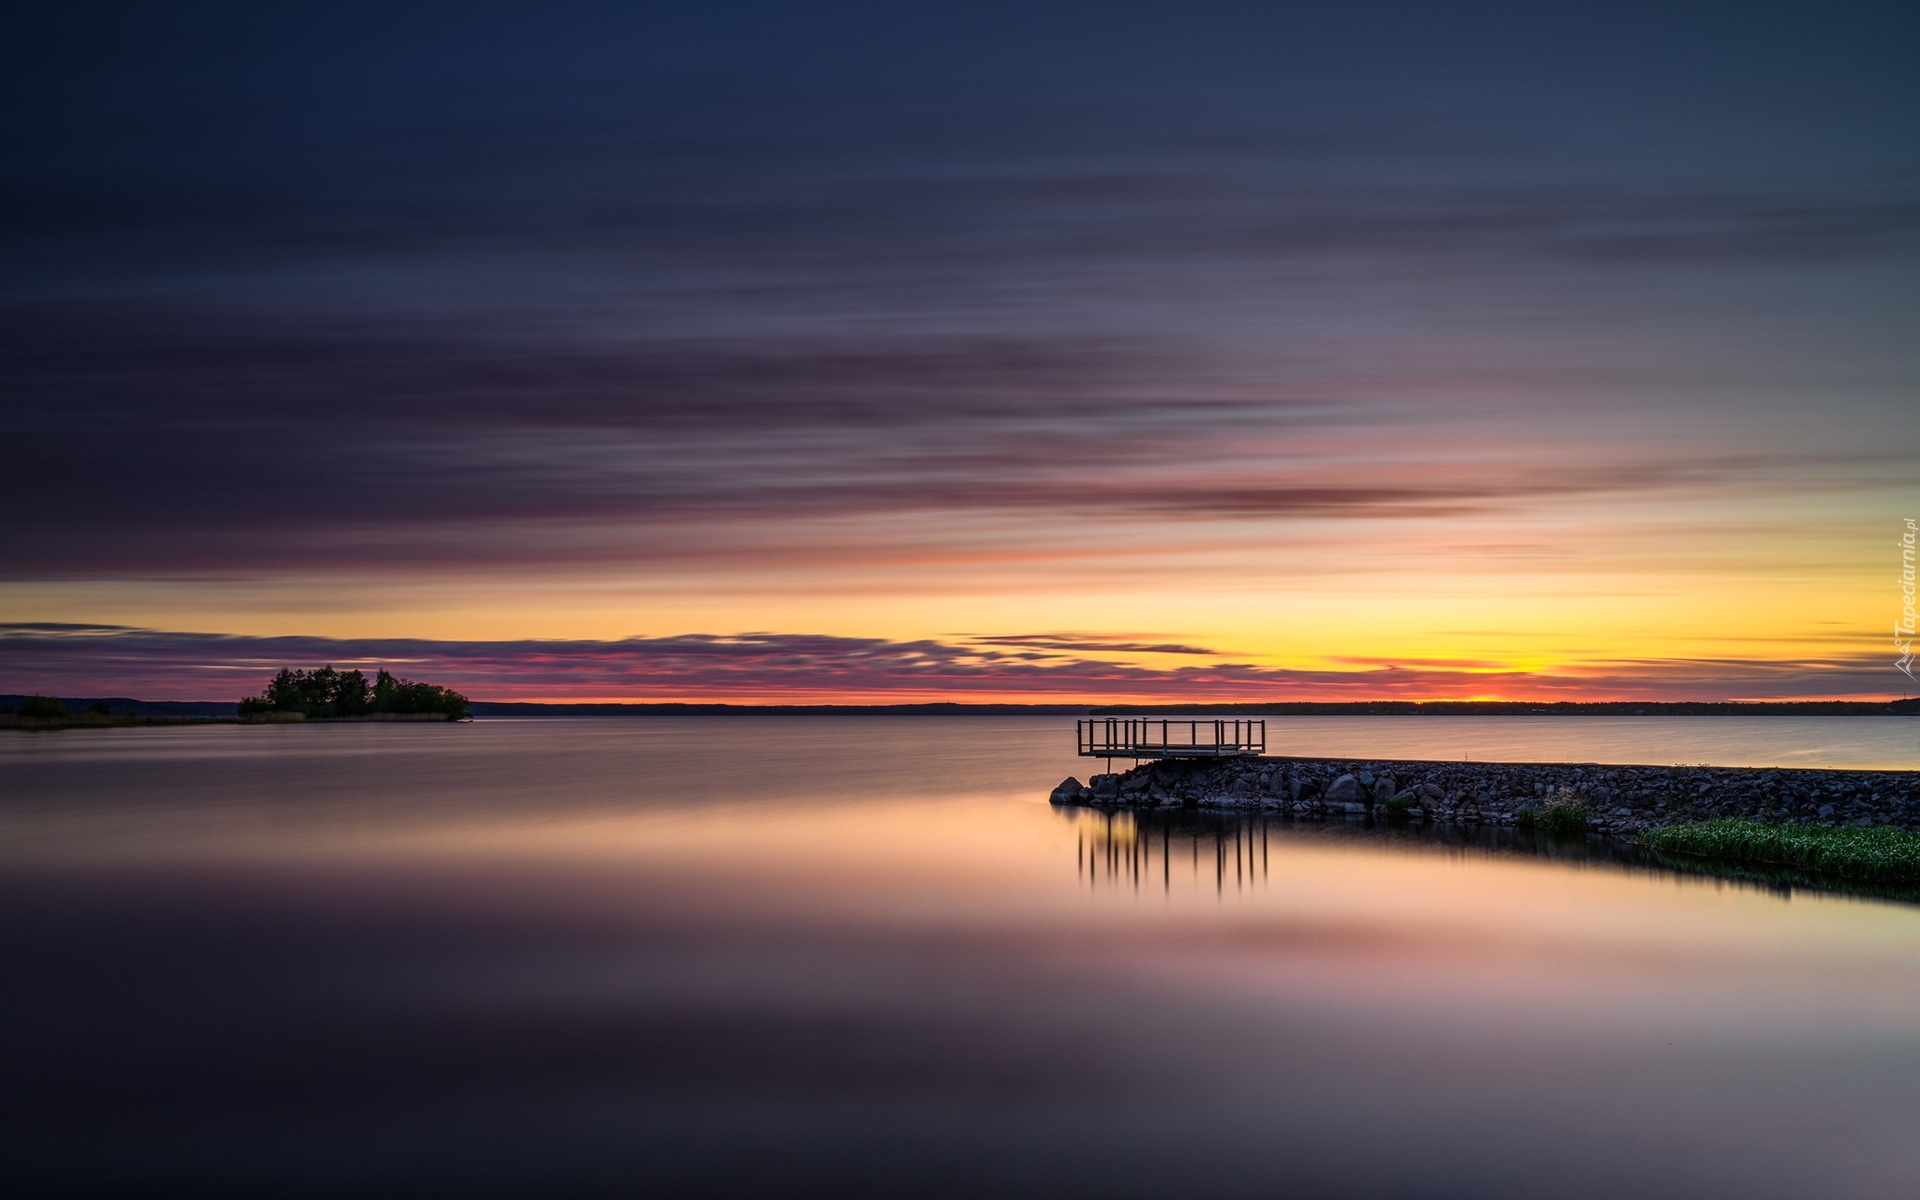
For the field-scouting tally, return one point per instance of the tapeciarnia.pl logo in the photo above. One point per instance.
(1903, 628)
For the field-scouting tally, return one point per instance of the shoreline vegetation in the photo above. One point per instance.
(1839, 853)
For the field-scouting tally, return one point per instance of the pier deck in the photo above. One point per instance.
(1140, 738)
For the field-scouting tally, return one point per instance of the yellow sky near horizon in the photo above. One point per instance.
(1748, 601)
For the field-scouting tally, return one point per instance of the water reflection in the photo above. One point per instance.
(1169, 849)
(1124, 849)
(625, 957)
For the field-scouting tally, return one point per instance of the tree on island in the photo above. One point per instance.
(330, 693)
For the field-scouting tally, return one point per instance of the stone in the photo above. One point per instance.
(1344, 790)
(1622, 798)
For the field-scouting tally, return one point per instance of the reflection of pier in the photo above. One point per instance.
(1125, 849)
(1132, 850)
(1139, 738)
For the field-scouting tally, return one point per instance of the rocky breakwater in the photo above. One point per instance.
(1596, 797)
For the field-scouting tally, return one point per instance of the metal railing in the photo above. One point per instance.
(1162, 737)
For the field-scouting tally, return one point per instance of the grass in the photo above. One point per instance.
(1877, 854)
(1563, 815)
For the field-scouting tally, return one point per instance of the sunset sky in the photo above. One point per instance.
(864, 353)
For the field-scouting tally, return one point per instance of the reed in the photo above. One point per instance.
(1877, 853)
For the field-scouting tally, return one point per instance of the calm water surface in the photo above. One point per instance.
(746, 954)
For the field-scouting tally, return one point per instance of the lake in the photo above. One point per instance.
(737, 954)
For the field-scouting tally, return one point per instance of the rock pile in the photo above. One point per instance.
(1612, 799)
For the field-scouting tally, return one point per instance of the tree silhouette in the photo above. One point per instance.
(330, 693)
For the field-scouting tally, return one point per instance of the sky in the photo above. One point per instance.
(882, 352)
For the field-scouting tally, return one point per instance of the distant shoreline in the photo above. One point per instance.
(1293, 708)
(1513, 708)
(201, 712)
(128, 720)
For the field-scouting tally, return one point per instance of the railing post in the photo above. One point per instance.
(1132, 737)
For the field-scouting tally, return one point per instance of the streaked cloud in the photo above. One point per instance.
(151, 445)
(1325, 333)
(1089, 642)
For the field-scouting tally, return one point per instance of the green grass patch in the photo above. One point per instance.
(1561, 816)
(1876, 853)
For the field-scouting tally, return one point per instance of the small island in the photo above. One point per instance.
(290, 696)
(330, 695)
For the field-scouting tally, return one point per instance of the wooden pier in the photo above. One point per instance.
(1140, 738)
